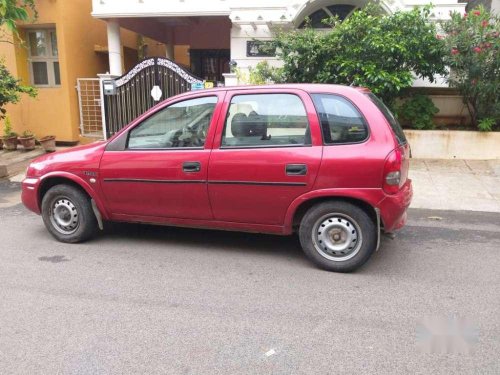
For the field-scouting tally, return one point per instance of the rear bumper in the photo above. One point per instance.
(393, 208)
(29, 194)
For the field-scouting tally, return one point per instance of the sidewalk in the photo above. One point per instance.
(14, 162)
(472, 185)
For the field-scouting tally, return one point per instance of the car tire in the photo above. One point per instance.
(67, 214)
(338, 236)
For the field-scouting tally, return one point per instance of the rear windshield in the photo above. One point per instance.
(396, 127)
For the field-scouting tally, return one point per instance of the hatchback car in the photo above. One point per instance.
(327, 162)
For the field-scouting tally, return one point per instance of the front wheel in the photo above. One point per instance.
(67, 214)
(338, 236)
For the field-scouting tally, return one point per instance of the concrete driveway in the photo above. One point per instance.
(153, 300)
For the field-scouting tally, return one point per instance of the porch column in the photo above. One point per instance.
(114, 48)
(169, 51)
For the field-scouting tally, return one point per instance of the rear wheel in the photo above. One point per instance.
(338, 236)
(67, 214)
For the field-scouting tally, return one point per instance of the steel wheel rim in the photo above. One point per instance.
(337, 237)
(64, 216)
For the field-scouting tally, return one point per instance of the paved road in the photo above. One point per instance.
(151, 300)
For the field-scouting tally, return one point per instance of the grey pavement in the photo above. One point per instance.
(472, 185)
(156, 300)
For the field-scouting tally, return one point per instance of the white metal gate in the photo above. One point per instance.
(89, 102)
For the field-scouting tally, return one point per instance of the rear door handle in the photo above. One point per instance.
(191, 166)
(296, 169)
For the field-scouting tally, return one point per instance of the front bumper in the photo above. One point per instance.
(393, 208)
(29, 194)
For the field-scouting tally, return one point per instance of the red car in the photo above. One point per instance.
(325, 161)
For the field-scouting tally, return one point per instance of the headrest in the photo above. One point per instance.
(252, 125)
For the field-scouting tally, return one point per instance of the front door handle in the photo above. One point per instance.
(296, 169)
(191, 166)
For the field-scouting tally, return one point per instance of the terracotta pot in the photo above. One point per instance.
(27, 142)
(48, 143)
(10, 143)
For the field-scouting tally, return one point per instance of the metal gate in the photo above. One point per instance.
(150, 81)
(89, 103)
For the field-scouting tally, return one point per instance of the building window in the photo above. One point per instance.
(43, 58)
(319, 18)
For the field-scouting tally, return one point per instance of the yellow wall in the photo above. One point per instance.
(82, 45)
(55, 110)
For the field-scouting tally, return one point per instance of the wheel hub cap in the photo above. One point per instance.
(336, 237)
(64, 216)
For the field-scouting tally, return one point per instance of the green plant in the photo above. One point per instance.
(7, 128)
(417, 112)
(263, 73)
(380, 51)
(12, 11)
(11, 89)
(486, 124)
(473, 53)
(27, 134)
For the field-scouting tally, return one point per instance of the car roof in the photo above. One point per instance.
(308, 87)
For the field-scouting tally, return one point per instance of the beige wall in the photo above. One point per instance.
(453, 144)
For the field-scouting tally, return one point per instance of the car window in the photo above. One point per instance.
(183, 124)
(341, 122)
(396, 127)
(266, 120)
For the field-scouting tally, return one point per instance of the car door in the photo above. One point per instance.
(267, 152)
(159, 167)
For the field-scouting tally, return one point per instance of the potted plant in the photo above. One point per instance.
(9, 137)
(48, 143)
(27, 140)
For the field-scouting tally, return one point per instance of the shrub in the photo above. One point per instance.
(7, 128)
(418, 112)
(473, 54)
(378, 51)
(263, 73)
(11, 89)
(486, 124)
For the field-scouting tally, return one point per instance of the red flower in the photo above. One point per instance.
(454, 51)
(484, 23)
(477, 49)
(465, 15)
(477, 13)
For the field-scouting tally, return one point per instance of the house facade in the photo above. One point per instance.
(63, 44)
(229, 29)
(75, 40)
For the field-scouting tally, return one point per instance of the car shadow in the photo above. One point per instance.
(216, 240)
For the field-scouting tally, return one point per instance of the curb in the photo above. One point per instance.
(14, 162)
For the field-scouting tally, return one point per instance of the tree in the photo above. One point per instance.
(11, 89)
(12, 11)
(378, 51)
(473, 54)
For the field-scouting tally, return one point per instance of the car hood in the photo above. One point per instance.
(85, 157)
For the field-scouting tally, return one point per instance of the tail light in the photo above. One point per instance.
(395, 171)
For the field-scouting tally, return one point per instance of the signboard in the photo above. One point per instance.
(260, 48)
(156, 93)
(197, 86)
